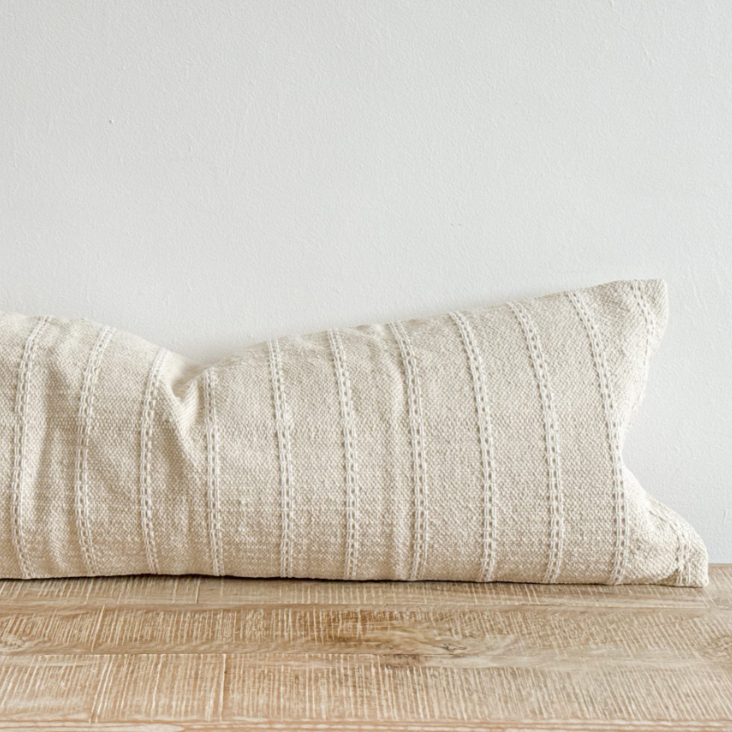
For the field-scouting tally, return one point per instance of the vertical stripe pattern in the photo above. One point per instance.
(25, 374)
(285, 458)
(681, 552)
(349, 449)
(620, 558)
(485, 437)
(81, 477)
(213, 513)
(556, 521)
(416, 427)
(146, 432)
(481, 444)
(640, 298)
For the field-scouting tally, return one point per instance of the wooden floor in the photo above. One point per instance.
(227, 654)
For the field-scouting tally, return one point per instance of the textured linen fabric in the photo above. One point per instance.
(480, 445)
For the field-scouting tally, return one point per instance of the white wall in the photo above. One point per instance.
(209, 173)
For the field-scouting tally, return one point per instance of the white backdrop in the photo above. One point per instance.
(210, 173)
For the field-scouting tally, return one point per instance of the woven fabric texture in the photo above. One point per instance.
(481, 445)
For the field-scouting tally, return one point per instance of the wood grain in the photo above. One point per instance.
(203, 653)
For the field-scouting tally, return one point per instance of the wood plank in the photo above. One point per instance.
(373, 688)
(338, 689)
(509, 634)
(120, 688)
(233, 591)
(215, 654)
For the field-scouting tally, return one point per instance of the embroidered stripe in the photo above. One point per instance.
(86, 408)
(285, 457)
(613, 438)
(416, 424)
(680, 529)
(146, 430)
(684, 574)
(19, 444)
(485, 437)
(646, 312)
(556, 520)
(349, 449)
(212, 496)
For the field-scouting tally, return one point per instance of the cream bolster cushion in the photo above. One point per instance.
(481, 445)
